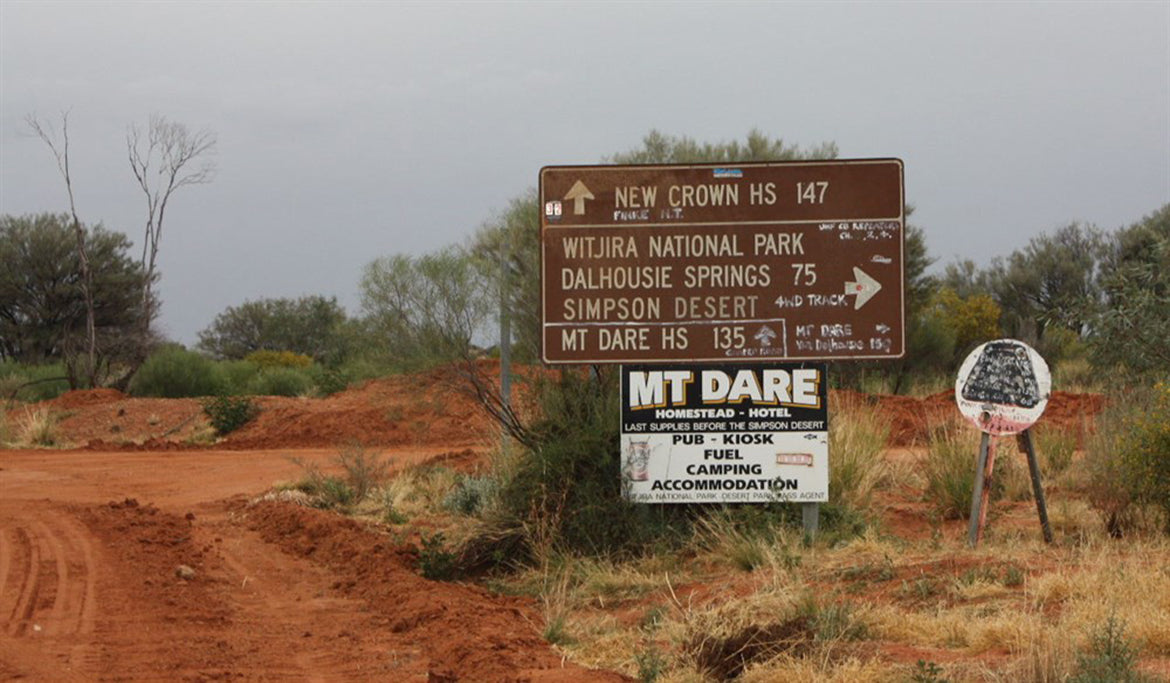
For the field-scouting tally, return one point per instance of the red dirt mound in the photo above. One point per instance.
(910, 418)
(423, 409)
(402, 410)
(465, 632)
(86, 397)
(1074, 412)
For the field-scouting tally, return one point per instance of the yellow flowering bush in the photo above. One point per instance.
(268, 360)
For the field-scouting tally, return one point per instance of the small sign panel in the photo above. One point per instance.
(757, 261)
(725, 433)
(1003, 387)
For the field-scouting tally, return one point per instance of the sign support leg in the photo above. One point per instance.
(1025, 439)
(974, 531)
(810, 515)
(987, 484)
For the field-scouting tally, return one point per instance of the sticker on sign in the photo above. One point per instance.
(763, 261)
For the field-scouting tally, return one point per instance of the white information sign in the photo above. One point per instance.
(1003, 387)
(725, 433)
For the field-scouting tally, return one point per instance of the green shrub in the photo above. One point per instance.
(237, 376)
(229, 413)
(557, 632)
(1129, 459)
(831, 620)
(651, 662)
(333, 493)
(326, 492)
(32, 383)
(1146, 447)
(281, 382)
(365, 367)
(750, 536)
(364, 471)
(435, 561)
(329, 381)
(1109, 657)
(470, 494)
(174, 372)
(927, 672)
(565, 487)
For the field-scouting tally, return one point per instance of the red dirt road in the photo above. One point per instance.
(89, 546)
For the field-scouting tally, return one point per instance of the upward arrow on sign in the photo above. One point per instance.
(579, 193)
(864, 288)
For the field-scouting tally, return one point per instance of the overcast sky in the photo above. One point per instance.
(347, 131)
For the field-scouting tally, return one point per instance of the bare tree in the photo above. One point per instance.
(166, 157)
(59, 145)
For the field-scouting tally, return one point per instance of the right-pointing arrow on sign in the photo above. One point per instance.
(864, 288)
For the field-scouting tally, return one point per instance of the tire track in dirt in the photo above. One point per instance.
(22, 575)
(46, 586)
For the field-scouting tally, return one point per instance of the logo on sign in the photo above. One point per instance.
(659, 388)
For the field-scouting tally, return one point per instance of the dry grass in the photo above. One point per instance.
(775, 549)
(418, 490)
(1055, 449)
(38, 429)
(832, 670)
(753, 603)
(857, 436)
(7, 437)
(949, 468)
(1013, 610)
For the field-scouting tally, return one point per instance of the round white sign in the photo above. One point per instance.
(1003, 387)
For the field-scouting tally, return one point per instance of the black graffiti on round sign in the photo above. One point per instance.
(1003, 387)
(1003, 374)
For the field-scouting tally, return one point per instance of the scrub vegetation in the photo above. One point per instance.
(886, 591)
(726, 592)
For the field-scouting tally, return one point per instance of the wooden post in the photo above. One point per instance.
(988, 483)
(1025, 441)
(975, 530)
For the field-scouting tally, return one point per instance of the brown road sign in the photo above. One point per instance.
(754, 261)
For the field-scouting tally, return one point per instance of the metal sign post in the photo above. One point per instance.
(810, 517)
